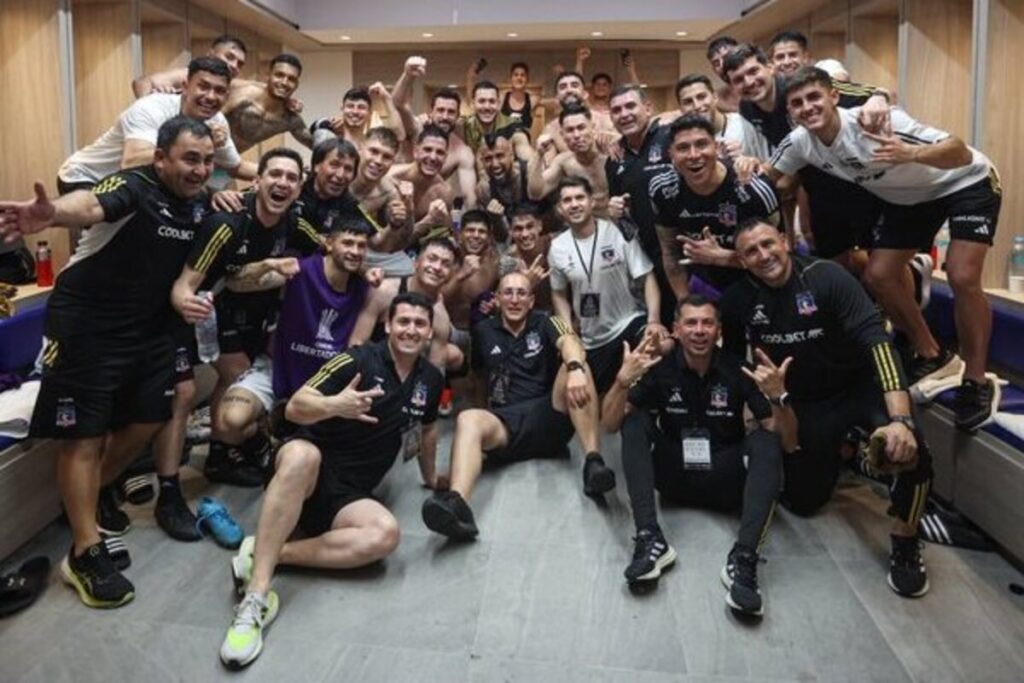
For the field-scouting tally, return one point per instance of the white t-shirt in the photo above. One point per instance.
(849, 158)
(752, 143)
(141, 121)
(616, 263)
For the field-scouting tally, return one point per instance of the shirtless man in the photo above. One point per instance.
(230, 49)
(504, 183)
(529, 252)
(477, 274)
(434, 267)
(582, 159)
(259, 111)
(570, 93)
(444, 113)
(357, 107)
(422, 180)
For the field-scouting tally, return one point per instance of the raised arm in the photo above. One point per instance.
(74, 210)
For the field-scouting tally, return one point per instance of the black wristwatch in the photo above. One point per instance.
(575, 365)
(904, 420)
(782, 401)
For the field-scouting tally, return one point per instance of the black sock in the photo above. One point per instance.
(168, 485)
(594, 456)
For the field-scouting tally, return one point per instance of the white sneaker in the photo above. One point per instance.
(241, 564)
(244, 640)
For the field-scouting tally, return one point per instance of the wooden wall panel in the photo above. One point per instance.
(163, 47)
(828, 45)
(103, 65)
(938, 77)
(872, 51)
(32, 134)
(1003, 138)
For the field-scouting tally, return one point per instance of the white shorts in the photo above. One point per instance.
(259, 381)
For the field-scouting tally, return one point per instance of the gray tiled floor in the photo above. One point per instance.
(540, 597)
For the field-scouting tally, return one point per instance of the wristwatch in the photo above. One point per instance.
(904, 420)
(575, 365)
(782, 401)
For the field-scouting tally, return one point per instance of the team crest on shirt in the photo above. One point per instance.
(198, 212)
(805, 303)
(419, 395)
(608, 253)
(719, 397)
(66, 413)
(329, 219)
(654, 155)
(727, 214)
(533, 342)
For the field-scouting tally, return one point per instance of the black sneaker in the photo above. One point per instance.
(137, 489)
(110, 518)
(117, 550)
(225, 465)
(975, 404)
(651, 555)
(94, 577)
(174, 517)
(449, 515)
(943, 365)
(907, 574)
(740, 576)
(598, 478)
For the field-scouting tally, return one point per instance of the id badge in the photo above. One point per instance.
(412, 439)
(590, 304)
(696, 449)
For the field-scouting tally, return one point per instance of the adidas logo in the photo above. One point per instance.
(981, 230)
(165, 212)
(496, 350)
(759, 318)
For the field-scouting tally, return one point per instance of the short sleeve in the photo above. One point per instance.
(764, 200)
(119, 194)
(215, 240)
(334, 375)
(559, 280)
(790, 156)
(555, 328)
(143, 119)
(636, 260)
(435, 384)
(913, 131)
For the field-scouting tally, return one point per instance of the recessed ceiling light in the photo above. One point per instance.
(428, 35)
(346, 37)
(681, 33)
(453, 85)
(512, 35)
(596, 34)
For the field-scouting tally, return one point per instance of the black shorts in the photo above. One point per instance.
(605, 361)
(241, 329)
(92, 385)
(330, 495)
(535, 430)
(842, 214)
(973, 214)
(186, 354)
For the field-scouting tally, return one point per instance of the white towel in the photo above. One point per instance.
(1011, 423)
(16, 407)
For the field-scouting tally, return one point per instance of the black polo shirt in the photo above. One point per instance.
(676, 206)
(317, 217)
(363, 452)
(685, 400)
(824, 319)
(631, 175)
(775, 125)
(518, 368)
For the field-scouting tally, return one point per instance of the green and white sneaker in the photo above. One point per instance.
(241, 564)
(244, 641)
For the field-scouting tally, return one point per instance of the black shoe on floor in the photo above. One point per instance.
(225, 465)
(94, 577)
(173, 516)
(449, 515)
(740, 576)
(975, 403)
(20, 589)
(117, 550)
(598, 478)
(907, 574)
(110, 518)
(651, 556)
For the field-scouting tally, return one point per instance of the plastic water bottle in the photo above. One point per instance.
(941, 247)
(1016, 269)
(44, 265)
(206, 334)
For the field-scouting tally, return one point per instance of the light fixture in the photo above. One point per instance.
(346, 37)
(512, 35)
(453, 86)
(596, 34)
(428, 35)
(681, 34)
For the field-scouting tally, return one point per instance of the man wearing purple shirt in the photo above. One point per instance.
(321, 303)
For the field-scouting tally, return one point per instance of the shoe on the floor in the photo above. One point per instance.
(137, 489)
(943, 365)
(226, 465)
(94, 577)
(907, 574)
(174, 517)
(739, 575)
(117, 550)
(241, 564)
(215, 520)
(19, 589)
(449, 515)
(444, 407)
(976, 404)
(598, 478)
(651, 556)
(921, 267)
(244, 640)
(110, 518)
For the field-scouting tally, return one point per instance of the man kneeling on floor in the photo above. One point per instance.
(539, 388)
(356, 414)
(683, 434)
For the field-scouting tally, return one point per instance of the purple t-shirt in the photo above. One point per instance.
(314, 325)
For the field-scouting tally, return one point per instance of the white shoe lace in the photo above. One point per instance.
(249, 613)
